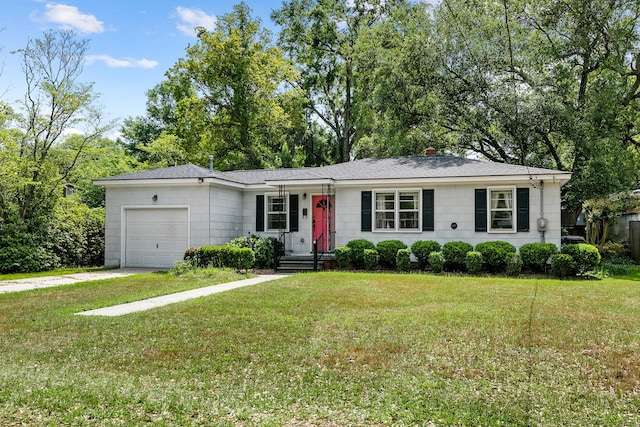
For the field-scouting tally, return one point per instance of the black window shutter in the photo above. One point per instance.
(259, 213)
(428, 223)
(293, 212)
(522, 200)
(365, 223)
(481, 209)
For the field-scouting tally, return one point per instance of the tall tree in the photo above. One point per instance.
(321, 37)
(55, 104)
(551, 84)
(229, 97)
(34, 165)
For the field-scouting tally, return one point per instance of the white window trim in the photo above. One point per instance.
(396, 211)
(266, 212)
(514, 210)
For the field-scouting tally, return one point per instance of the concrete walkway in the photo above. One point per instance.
(20, 285)
(147, 304)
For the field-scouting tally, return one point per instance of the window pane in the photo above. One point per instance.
(502, 220)
(385, 201)
(408, 220)
(276, 204)
(385, 220)
(277, 221)
(502, 199)
(408, 201)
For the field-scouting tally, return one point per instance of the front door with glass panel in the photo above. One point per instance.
(322, 221)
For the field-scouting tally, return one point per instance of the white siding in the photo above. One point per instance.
(225, 220)
(219, 214)
(453, 204)
(194, 197)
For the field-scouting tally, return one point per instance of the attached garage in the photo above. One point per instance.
(155, 237)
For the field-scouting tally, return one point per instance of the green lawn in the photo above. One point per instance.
(327, 349)
(58, 272)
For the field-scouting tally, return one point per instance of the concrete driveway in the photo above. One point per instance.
(20, 285)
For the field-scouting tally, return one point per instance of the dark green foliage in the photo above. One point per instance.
(535, 255)
(616, 253)
(611, 269)
(357, 247)
(455, 255)
(343, 256)
(494, 253)
(513, 262)
(388, 250)
(562, 265)
(436, 261)
(474, 262)
(585, 256)
(22, 250)
(221, 256)
(76, 234)
(370, 259)
(421, 250)
(264, 249)
(403, 259)
(192, 256)
(73, 236)
(242, 259)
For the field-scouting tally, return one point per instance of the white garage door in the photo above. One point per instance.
(155, 237)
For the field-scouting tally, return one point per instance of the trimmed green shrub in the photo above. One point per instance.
(610, 269)
(222, 256)
(241, 259)
(421, 250)
(370, 259)
(535, 255)
(455, 255)
(513, 262)
(585, 256)
(436, 261)
(562, 265)
(357, 247)
(343, 256)
(403, 259)
(388, 251)
(474, 262)
(494, 253)
(192, 256)
(264, 248)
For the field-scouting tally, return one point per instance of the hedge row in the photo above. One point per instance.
(221, 256)
(495, 256)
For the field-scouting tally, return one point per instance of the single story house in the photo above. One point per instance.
(153, 216)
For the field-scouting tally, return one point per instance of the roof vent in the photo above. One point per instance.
(211, 163)
(430, 151)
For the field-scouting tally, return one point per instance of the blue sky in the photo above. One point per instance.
(132, 43)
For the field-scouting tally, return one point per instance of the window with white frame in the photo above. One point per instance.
(397, 210)
(502, 209)
(276, 212)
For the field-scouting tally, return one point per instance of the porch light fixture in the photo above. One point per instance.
(155, 198)
(304, 196)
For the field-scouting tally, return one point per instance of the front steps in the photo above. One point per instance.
(301, 263)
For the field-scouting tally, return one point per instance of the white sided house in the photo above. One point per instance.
(152, 217)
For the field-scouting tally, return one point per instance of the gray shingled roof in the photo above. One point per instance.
(387, 168)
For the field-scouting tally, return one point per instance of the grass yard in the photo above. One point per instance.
(58, 272)
(327, 349)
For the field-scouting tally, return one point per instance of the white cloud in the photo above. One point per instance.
(191, 18)
(70, 18)
(121, 63)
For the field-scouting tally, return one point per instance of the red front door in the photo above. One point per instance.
(322, 221)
